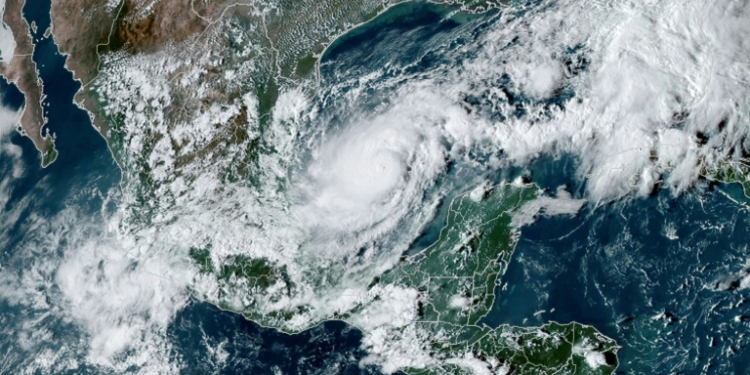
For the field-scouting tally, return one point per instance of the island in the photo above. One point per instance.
(178, 87)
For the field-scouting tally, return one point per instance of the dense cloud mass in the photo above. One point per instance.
(656, 89)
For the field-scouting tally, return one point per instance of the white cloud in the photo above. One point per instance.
(7, 42)
(478, 367)
(121, 293)
(8, 123)
(367, 179)
(649, 63)
(593, 358)
(395, 350)
(562, 204)
(390, 305)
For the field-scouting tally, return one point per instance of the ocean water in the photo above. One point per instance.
(82, 176)
(655, 274)
(658, 274)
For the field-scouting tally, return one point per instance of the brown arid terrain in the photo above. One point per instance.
(290, 32)
(21, 70)
(87, 29)
(201, 54)
(287, 38)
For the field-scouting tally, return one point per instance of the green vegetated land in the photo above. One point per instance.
(732, 172)
(288, 44)
(456, 278)
(458, 275)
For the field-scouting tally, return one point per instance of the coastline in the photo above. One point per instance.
(22, 71)
(92, 116)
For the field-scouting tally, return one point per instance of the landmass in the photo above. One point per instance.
(424, 316)
(287, 37)
(731, 171)
(183, 89)
(457, 278)
(21, 70)
(225, 48)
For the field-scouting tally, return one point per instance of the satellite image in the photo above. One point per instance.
(469, 187)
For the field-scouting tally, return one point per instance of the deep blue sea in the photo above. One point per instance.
(642, 271)
(86, 164)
